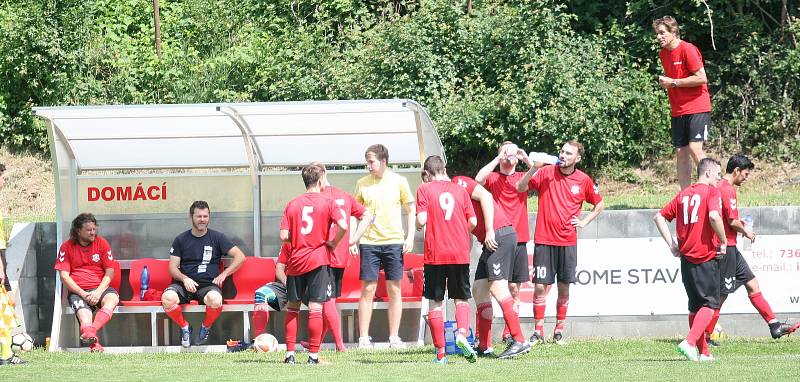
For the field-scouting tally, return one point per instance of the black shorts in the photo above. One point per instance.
(701, 282)
(519, 265)
(690, 128)
(272, 294)
(552, 260)
(77, 302)
(314, 286)
(6, 281)
(497, 265)
(734, 271)
(454, 276)
(184, 296)
(374, 257)
(337, 275)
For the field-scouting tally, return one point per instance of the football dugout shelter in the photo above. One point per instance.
(138, 169)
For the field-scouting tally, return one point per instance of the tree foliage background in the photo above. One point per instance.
(537, 72)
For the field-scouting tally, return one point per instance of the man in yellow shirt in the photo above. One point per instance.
(385, 194)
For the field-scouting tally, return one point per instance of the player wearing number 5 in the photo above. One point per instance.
(446, 209)
(562, 190)
(306, 226)
(699, 226)
(194, 264)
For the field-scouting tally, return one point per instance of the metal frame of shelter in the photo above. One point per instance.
(116, 162)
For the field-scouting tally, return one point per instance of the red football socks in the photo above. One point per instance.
(484, 325)
(462, 318)
(762, 306)
(561, 308)
(713, 323)
(333, 321)
(260, 319)
(211, 315)
(101, 318)
(701, 320)
(176, 314)
(291, 328)
(511, 316)
(437, 330)
(314, 330)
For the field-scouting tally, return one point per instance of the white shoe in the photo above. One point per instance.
(688, 351)
(396, 343)
(365, 342)
(707, 358)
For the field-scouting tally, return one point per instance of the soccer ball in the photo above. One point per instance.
(717, 334)
(265, 343)
(21, 342)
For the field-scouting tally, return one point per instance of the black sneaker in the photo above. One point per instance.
(558, 338)
(488, 352)
(711, 342)
(508, 340)
(289, 359)
(515, 349)
(780, 329)
(13, 360)
(313, 361)
(536, 339)
(237, 346)
(202, 335)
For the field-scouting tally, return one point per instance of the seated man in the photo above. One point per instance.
(271, 295)
(194, 264)
(86, 266)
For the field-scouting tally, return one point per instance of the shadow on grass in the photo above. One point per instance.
(367, 361)
(673, 341)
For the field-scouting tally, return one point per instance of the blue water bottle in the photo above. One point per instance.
(145, 282)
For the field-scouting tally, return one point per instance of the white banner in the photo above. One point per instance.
(640, 277)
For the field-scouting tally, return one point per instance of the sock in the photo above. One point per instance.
(702, 345)
(559, 327)
(699, 325)
(101, 318)
(260, 319)
(314, 330)
(211, 315)
(5, 344)
(290, 324)
(561, 308)
(484, 325)
(713, 323)
(462, 318)
(176, 314)
(333, 322)
(762, 306)
(506, 332)
(539, 305)
(436, 323)
(511, 316)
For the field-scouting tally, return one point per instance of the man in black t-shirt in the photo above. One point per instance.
(194, 264)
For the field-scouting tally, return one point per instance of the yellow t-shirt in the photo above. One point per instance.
(384, 197)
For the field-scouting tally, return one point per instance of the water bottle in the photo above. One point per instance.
(544, 158)
(748, 224)
(145, 282)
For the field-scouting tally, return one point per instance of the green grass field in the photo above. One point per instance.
(741, 359)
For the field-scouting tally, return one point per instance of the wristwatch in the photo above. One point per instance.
(674, 83)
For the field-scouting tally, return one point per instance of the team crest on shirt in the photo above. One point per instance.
(96, 257)
(575, 189)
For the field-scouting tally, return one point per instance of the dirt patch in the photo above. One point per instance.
(29, 193)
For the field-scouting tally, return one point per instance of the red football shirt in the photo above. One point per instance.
(308, 218)
(514, 204)
(729, 211)
(560, 199)
(696, 239)
(678, 63)
(283, 256)
(449, 208)
(340, 257)
(500, 220)
(86, 265)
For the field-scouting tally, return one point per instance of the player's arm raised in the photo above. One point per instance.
(522, 183)
(175, 272)
(484, 197)
(484, 172)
